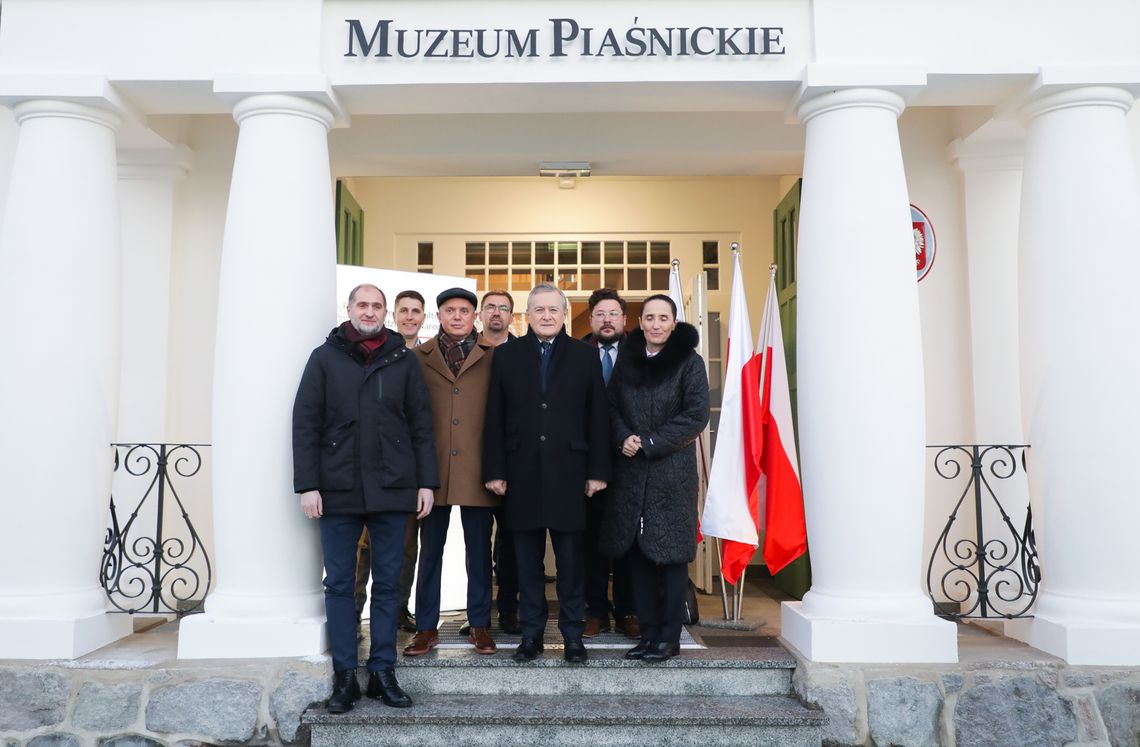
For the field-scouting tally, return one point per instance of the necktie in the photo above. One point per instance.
(607, 362)
(544, 363)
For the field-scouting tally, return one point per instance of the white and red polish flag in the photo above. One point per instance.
(730, 510)
(770, 442)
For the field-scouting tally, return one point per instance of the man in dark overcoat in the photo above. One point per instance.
(363, 456)
(546, 450)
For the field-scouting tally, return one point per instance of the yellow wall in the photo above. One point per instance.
(400, 212)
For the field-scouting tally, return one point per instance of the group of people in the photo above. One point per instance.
(587, 441)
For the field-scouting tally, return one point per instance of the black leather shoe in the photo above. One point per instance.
(638, 651)
(575, 651)
(528, 650)
(383, 686)
(661, 651)
(509, 623)
(346, 691)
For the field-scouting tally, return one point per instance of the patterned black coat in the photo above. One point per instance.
(665, 401)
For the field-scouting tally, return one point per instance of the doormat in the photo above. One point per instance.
(740, 641)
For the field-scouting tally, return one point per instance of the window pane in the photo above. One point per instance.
(426, 253)
(544, 253)
(614, 255)
(477, 276)
(568, 253)
(520, 280)
(543, 275)
(714, 278)
(476, 251)
(591, 252)
(520, 252)
(591, 280)
(714, 384)
(497, 254)
(568, 281)
(498, 279)
(659, 252)
(714, 335)
(637, 252)
(615, 279)
(711, 252)
(637, 279)
(659, 279)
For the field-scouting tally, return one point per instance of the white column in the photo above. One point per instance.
(861, 406)
(147, 180)
(276, 302)
(59, 323)
(1080, 364)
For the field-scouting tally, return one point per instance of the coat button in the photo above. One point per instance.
(455, 390)
(455, 452)
(455, 421)
(542, 438)
(334, 443)
(544, 405)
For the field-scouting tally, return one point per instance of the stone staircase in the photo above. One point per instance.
(708, 697)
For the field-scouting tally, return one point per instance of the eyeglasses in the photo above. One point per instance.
(492, 307)
(602, 315)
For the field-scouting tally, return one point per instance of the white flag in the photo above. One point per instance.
(727, 513)
(675, 291)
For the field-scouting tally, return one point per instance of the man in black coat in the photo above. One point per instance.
(363, 456)
(546, 449)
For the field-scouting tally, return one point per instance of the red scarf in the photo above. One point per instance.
(366, 346)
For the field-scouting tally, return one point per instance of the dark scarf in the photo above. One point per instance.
(366, 347)
(454, 353)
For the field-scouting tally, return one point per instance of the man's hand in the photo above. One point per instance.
(631, 445)
(425, 500)
(498, 487)
(311, 505)
(593, 486)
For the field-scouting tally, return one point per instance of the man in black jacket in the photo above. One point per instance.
(363, 456)
(546, 449)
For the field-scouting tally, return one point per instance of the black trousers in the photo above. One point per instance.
(598, 570)
(340, 534)
(407, 575)
(530, 547)
(506, 567)
(660, 592)
(477, 541)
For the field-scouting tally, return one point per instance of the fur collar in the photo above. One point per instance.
(635, 366)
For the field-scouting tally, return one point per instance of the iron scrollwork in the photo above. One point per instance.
(162, 568)
(994, 573)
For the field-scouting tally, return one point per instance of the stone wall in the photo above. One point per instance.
(988, 704)
(252, 702)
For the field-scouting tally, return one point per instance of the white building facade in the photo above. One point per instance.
(169, 170)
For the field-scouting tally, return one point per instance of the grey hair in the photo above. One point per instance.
(352, 294)
(548, 288)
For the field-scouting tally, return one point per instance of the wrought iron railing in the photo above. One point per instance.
(161, 567)
(993, 570)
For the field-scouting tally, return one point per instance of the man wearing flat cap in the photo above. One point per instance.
(457, 368)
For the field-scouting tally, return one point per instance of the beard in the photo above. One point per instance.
(496, 325)
(366, 329)
(608, 335)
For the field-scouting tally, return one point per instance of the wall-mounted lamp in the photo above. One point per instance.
(564, 169)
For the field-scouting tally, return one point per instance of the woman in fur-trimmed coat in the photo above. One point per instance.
(659, 404)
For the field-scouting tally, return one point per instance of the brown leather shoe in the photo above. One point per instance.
(630, 626)
(424, 641)
(595, 625)
(481, 639)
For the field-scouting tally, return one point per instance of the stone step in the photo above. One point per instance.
(698, 672)
(553, 720)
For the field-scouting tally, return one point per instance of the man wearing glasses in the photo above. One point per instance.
(496, 314)
(607, 324)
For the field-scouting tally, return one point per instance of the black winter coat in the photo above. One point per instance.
(665, 401)
(546, 445)
(362, 434)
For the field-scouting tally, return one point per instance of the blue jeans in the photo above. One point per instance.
(339, 536)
